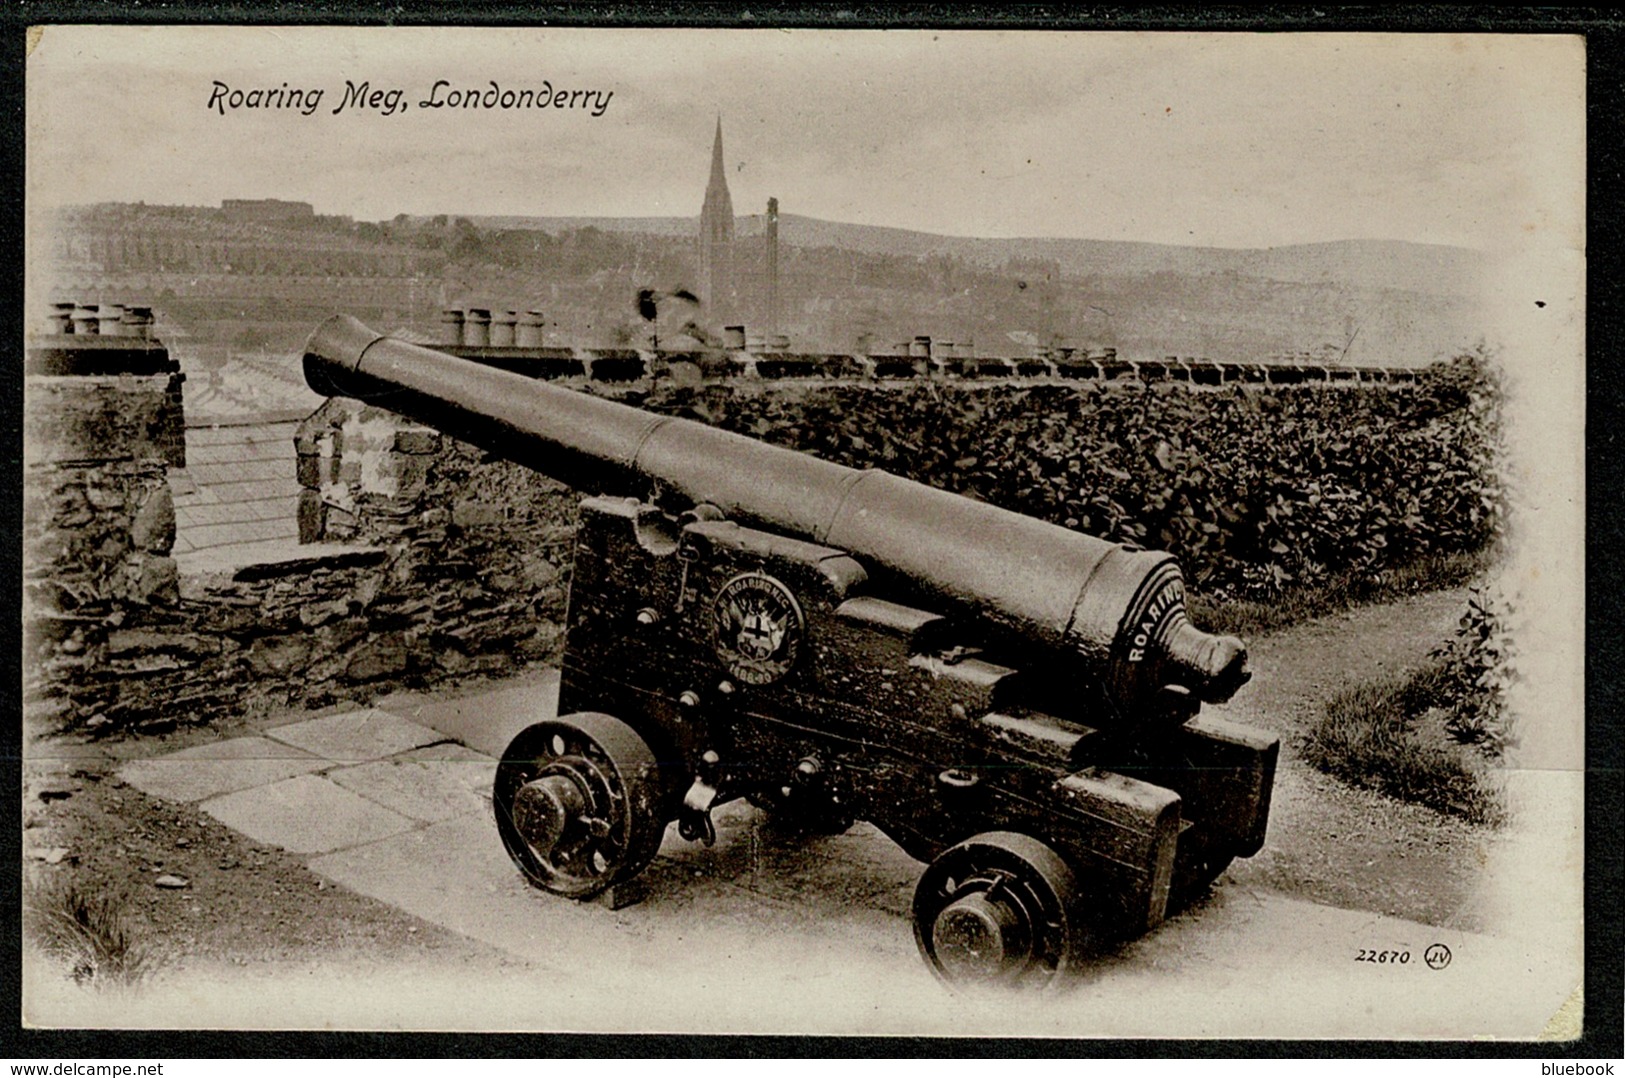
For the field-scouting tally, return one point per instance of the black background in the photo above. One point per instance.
(1605, 543)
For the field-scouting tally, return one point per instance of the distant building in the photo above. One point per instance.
(266, 209)
(717, 241)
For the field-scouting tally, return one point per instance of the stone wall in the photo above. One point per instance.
(479, 548)
(98, 524)
(424, 563)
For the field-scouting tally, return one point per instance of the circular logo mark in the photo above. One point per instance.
(757, 627)
(1437, 956)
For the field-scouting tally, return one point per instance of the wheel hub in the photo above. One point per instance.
(544, 808)
(997, 908)
(981, 937)
(580, 803)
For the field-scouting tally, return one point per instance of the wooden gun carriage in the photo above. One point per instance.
(1016, 704)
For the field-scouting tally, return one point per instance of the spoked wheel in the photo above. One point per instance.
(579, 803)
(997, 909)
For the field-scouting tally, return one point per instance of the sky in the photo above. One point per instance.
(1236, 140)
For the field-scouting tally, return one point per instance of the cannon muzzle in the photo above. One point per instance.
(1119, 610)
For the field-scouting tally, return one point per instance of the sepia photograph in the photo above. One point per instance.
(927, 533)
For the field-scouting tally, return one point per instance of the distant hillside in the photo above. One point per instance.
(261, 285)
(642, 226)
(1387, 264)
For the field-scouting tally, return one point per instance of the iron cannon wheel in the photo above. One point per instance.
(579, 803)
(997, 909)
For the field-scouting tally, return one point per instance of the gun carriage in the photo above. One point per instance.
(1015, 704)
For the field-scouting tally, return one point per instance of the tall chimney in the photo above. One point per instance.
(772, 267)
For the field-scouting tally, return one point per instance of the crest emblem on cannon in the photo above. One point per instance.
(758, 628)
(1017, 705)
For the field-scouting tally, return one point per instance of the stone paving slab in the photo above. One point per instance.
(425, 790)
(218, 768)
(451, 751)
(772, 932)
(695, 920)
(306, 814)
(705, 950)
(484, 721)
(355, 736)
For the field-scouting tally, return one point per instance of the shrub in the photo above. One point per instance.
(1409, 737)
(1251, 617)
(1479, 665)
(1376, 736)
(1257, 491)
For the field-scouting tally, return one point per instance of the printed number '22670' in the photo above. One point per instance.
(1398, 958)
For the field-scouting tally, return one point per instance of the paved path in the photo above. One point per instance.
(761, 932)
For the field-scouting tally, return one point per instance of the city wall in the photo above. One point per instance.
(422, 564)
(419, 561)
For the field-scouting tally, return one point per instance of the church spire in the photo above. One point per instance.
(717, 237)
(718, 173)
(719, 205)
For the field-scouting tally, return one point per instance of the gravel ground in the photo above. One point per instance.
(1333, 843)
(194, 892)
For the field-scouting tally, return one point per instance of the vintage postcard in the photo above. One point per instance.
(801, 531)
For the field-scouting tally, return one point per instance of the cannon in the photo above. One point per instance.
(1017, 705)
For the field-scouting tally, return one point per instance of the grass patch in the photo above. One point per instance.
(1389, 735)
(1244, 617)
(88, 934)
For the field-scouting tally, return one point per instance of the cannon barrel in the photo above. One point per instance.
(1120, 609)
